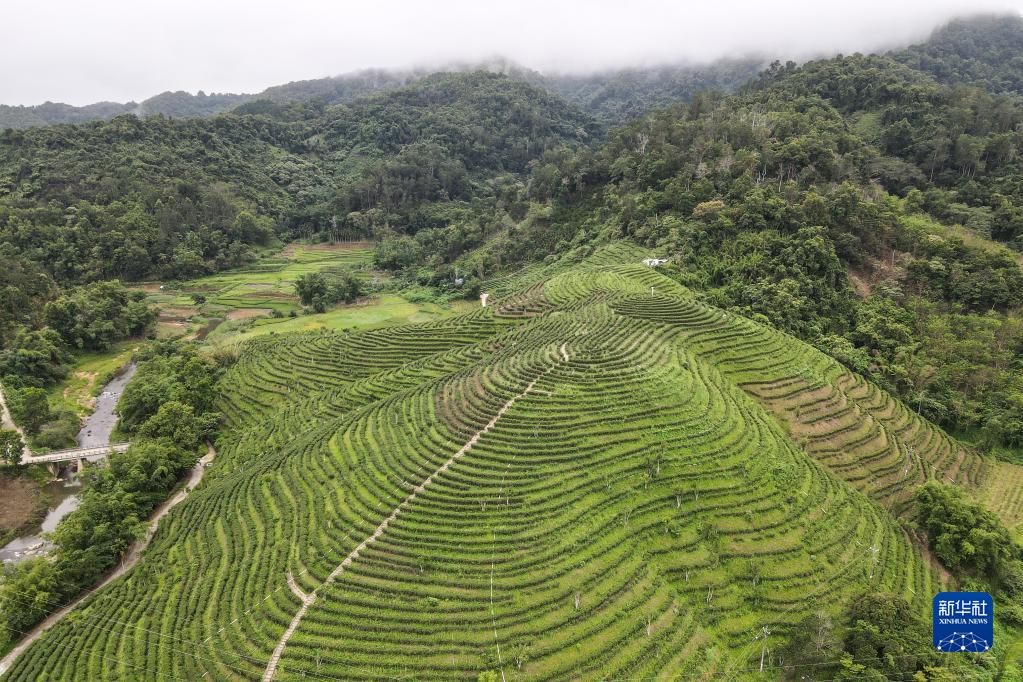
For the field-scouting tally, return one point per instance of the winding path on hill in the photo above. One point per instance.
(310, 598)
(127, 562)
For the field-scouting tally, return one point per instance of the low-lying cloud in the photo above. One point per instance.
(80, 52)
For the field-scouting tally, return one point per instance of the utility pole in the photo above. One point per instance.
(763, 646)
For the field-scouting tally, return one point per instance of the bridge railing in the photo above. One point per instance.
(111, 446)
(75, 453)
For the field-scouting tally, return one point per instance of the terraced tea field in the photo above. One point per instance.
(596, 476)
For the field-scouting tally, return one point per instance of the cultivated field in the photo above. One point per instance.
(597, 476)
(254, 291)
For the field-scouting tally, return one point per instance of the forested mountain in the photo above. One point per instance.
(843, 171)
(984, 51)
(615, 97)
(49, 113)
(178, 104)
(165, 197)
(612, 97)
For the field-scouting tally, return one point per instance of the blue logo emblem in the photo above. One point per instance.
(963, 621)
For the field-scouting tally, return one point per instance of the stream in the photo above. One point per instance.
(100, 424)
(64, 491)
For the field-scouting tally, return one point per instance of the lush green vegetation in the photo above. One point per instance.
(385, 310)
(730, 461)
(168, 104)
(321, 290)
(964, 535)
(821, 200)
(89, 373)
(878, 637)
(132, 198)
(93, 316)
(626, 510)
(982, 51)
(44, 339)
(266, 285)
(11, 446)
(169, 376)
(168, 409)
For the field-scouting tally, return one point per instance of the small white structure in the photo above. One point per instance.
(483, 299)
(654, 262)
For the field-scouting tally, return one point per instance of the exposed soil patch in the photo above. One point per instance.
(246, 313)
(861, 286)
(875, 271)
(20, 502)
(176, 312)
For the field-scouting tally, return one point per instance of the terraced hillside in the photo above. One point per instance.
(596, 476)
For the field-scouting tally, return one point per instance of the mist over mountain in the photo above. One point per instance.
(961, 48)
(609, 95)
(983, 51)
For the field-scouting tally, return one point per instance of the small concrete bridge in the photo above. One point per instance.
(78, 455)
(52, 459)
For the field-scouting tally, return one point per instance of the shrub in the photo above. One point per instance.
(59, 432)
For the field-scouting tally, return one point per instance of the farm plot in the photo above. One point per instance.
(586, 479)
(256, 290)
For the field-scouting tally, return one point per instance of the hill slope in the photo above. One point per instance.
(595, 476)
(132, 198)
(983, 51)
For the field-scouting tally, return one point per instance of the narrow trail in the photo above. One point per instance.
(8, 423)
(127, 562)
(295, 589)
(310, 598)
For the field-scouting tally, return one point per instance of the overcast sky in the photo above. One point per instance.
(81, 51)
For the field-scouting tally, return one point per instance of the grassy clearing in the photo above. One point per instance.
(87, 376)
(257, 290)
(267, 284)
(969, 237)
